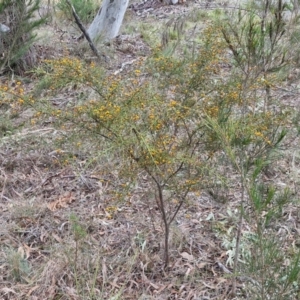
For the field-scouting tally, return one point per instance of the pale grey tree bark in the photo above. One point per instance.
(108, 20)
(4, 28)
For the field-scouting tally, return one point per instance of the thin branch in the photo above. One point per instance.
(174, 173)
(238, 240)
(179, 206)
(175, 213)
(85, 33)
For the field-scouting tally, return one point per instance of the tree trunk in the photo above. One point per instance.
(4, 29)
(108, 20)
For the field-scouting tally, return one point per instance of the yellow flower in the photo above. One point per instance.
(173, 103)
(259, 134)
(135, 117)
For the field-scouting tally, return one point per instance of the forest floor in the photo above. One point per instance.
(64, 234)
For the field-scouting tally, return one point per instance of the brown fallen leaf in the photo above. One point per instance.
(148, 281)
(160, 289)
(21, 251)
(32, 290)
(61, 202)
(104, 270)
(57, 238)
(28, 250)
(44, 235)
(202, 265)
(7, 290)
(187, 256)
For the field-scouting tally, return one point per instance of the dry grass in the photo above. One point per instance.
(122, 251)
(121, 254)
(113, 249)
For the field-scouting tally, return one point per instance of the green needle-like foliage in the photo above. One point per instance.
(22, 19)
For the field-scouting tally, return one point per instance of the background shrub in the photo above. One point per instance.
(86, 9)
(16, 45)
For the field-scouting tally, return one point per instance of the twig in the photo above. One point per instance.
(4, 184)
(241, 278)
(85, 33)
(238, 238)
(50, 177)
(123, 66)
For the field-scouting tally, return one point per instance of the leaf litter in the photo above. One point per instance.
(122, 253)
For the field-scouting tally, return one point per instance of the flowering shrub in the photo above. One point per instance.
(13, 97)
(169, 117)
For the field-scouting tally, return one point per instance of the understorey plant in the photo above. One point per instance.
(259, 37)
(250, 143)
(20, 20)
(151, 119)
(262, 38)
(275, 272)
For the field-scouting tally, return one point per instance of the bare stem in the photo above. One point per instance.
(238, 238)
(165, 220)
(85, 33)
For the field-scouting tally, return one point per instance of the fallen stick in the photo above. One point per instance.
(85, 33)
